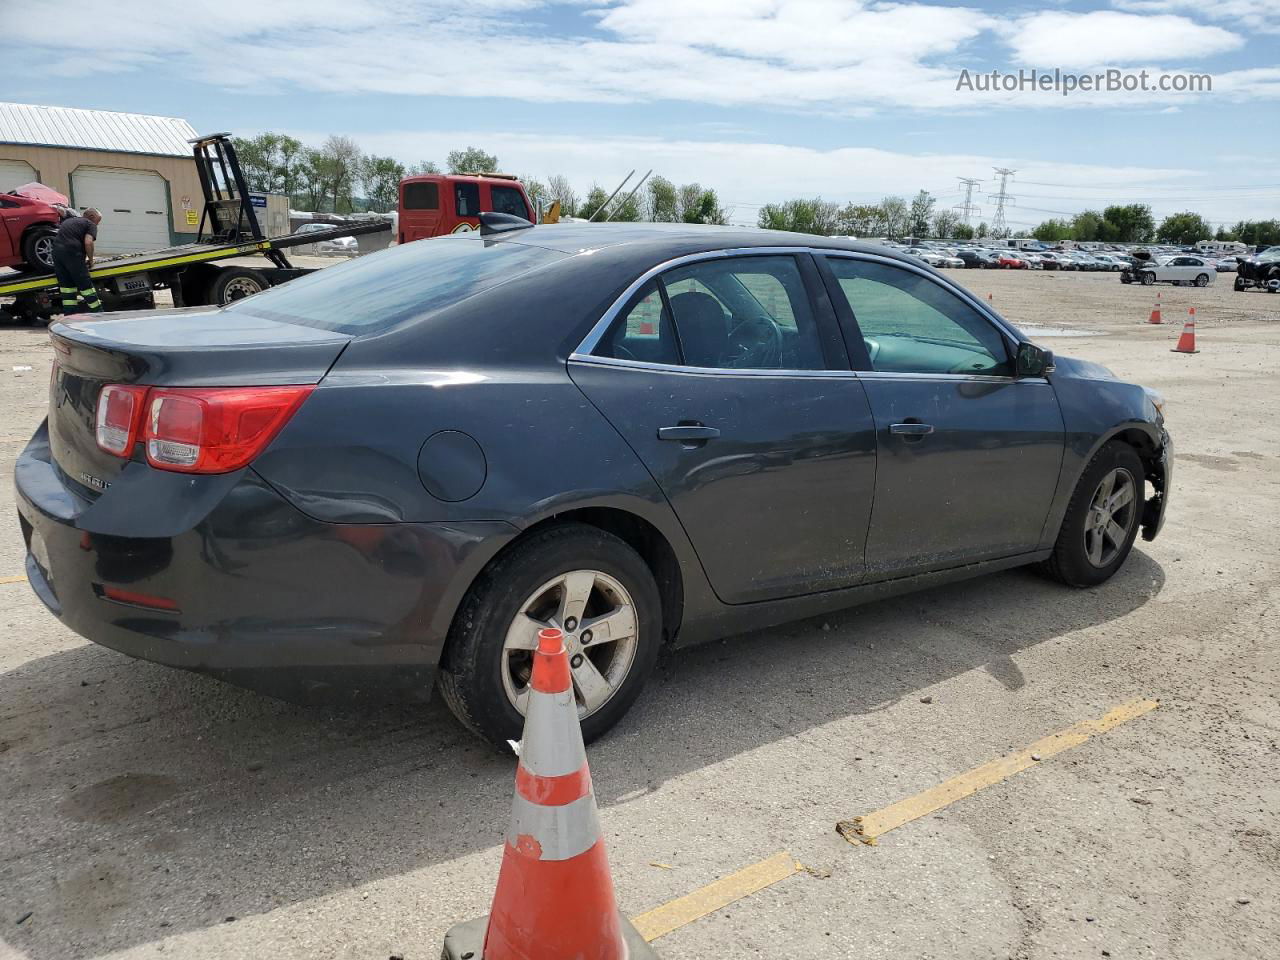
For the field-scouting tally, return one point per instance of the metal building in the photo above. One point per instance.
(138, 170)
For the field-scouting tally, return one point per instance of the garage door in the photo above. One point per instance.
(134, 206)
(14, 173)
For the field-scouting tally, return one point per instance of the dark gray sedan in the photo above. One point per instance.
(393, 472)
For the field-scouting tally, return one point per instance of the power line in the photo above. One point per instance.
(967, 208)
(1002, 198)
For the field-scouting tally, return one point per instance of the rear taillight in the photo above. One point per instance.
(119, 413)
(196, 429)
(215, 430)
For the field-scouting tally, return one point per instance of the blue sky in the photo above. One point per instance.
(762, 99)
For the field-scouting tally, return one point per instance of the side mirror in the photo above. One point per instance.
(1032, 361)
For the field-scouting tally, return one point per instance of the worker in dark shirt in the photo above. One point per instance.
(73, 259)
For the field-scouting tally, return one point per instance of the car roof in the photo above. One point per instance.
(677, 239)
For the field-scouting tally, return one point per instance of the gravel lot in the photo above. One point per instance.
(147, 811)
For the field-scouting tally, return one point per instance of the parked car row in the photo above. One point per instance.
(975, 257)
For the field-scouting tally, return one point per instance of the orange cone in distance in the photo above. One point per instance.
(1187, 342)
(1155, 312)
(555, 897)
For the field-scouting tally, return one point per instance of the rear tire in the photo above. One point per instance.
(476, 659)
(37, 248)
(1070, 561)
(235, 283)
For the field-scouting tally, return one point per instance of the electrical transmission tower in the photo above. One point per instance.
(998, 227)
(967, 209)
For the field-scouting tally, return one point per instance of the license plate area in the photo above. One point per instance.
(133, 284)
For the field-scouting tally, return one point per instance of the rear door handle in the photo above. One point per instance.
(686, 433)
(911, 429)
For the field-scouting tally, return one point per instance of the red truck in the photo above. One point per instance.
(31, 214)
(433, 204)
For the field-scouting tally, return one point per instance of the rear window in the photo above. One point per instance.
(422, 196)
(395, 285)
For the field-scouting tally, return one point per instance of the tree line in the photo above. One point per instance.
(893, 217)
(1133, 223)
(337, 177)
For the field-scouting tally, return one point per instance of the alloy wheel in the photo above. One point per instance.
(1110, 518)
(601, 635)
(44, 251)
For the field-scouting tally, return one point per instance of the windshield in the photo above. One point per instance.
(1270, 256)
(395, 285)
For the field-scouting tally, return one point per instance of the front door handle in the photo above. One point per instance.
(688, 433)
(912, 430)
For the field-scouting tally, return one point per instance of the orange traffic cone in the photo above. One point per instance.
(1155, 312)
(1187, 342)
(555, 897)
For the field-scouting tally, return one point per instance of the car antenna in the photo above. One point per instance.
(491, 223)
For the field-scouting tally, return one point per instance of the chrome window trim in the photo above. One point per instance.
(584, 351)
(597, 332)
(651, 367)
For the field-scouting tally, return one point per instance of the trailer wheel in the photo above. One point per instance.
(235, 283)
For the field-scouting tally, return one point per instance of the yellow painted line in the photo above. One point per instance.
(867, 828)
(714, 896)
(21, 579)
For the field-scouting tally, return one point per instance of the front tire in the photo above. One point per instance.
(1148, 279)
(1101, 521)
(573, 576)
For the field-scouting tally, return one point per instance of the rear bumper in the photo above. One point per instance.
(265, 596)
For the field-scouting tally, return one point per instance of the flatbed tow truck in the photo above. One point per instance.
(229, 228)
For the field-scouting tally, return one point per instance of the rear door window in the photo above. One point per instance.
(733, 313)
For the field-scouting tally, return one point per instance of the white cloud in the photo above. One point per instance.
(1105, 37)
(842, 57)
(1262, 16)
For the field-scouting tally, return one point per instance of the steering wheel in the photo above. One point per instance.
(754, 352)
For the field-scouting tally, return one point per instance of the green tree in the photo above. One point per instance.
(380, 177)
(700, 205)
(1053, 231)
(1258, 233)
(801, 216)
(662, 202)
(1086, 225)
(423, 167)
(257, 158)
(313, 179)
(861, 219)
(1127, 224)
(597, 196)
(341, 158)
(945, 223)
(921, 212)
(471, 160)
(983, 229)
(1184, 228)
(559, 188)
(896, 217)
(964, 232)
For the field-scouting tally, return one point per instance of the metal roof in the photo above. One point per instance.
(40, 126)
